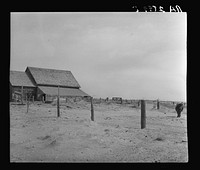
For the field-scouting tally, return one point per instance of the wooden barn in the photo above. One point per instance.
(20, 82)
(48, 81)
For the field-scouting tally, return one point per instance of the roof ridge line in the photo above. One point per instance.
(48, 69)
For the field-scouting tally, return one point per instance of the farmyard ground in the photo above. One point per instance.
(114, 136)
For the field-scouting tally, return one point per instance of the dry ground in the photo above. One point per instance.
(114, 136)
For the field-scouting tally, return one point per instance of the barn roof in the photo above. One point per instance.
(43, 76)
(19, 78)
(64, 92)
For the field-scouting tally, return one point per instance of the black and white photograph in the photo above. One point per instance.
(98, 87)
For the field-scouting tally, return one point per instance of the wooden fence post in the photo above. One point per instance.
(158, 104)
(22, 95)
(92, 109)
(26, 98)
(58, 104)
(143, 114)
(27, 103)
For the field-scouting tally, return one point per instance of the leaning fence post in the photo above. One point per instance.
(58, 104)
(143, 114)
(92, 109)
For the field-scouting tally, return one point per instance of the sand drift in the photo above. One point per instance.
(115, 134)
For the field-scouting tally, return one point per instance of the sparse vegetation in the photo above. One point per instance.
(114, 135)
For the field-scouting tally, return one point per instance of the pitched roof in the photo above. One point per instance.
(19, 78)
(53, 91)
(43, 76)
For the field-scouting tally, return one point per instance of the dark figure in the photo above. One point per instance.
(179, 109)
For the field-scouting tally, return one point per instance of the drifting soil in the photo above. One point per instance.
(114, 135)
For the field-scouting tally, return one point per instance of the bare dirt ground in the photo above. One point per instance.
(114, 136)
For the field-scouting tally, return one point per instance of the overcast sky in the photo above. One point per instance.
(133, 55)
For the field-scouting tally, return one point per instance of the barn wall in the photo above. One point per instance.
(50, 98)
(31, 90)
(39, 94)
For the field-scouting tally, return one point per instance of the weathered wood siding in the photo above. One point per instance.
(31, 90)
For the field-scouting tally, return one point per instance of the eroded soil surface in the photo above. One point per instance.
(114, 136)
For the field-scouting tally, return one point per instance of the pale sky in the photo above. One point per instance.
(127, 54)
